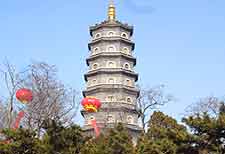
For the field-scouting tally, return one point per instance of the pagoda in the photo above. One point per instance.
(111, 77)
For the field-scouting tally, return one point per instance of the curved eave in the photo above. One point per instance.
(111, 24)
(115, 38)
(83, 112)
(102, 71)
(111, 55)
(130, 127)
(103, 89)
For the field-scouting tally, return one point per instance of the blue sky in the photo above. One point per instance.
(178, 43)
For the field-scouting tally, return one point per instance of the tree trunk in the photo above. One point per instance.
(10, 109)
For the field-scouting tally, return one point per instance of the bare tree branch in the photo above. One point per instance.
(210, 105)
(11, 80)
(52, 100)
(149, 99)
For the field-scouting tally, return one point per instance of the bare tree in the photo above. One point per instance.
(150, 99)
(210, 105)
(52, 100)
(10, 81)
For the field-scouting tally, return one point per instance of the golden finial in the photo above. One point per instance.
(111, 11)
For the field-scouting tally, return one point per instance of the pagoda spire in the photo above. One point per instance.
(111, 11)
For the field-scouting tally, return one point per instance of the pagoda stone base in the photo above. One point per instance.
(133, 130)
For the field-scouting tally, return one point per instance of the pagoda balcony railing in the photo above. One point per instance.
(111, 53)
(111, 86)
(112, 37)
(134, 126)
(125, 107)
(115, 104)
(99, 84)
(111, 69)
(115, 38)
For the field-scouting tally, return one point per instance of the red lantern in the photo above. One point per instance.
(91, 104)
(24, 95)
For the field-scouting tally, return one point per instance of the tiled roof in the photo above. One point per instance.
(108, 23)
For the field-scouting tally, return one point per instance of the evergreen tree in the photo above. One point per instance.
(61, 140)
(95, 146)
(209, 132)
(164, 135)
(21, 142)
(116, 141)
(56, 140)
(119, 142)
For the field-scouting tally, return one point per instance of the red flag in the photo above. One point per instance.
(18, 119)
(15, 126)
(94, 125)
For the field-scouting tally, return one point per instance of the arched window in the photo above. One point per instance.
(94, 82)
(125, 50)
(110, 119)
(127, 66)
(90, 119)
(111, 64)
(111, 33)
(98, 35)
(129, 100)
(111, 81)
(111, 48)
(95, 66)
(124, 35)
(128, 82)
(110, 98)
(96, 50)
(130, 120)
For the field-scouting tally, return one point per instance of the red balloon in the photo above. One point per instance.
(24, 95)
(91, 104)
